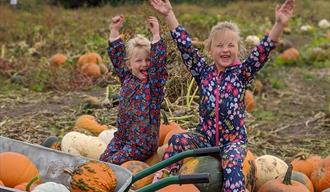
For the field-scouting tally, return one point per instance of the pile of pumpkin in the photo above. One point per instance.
(89, 64)
(19, 172)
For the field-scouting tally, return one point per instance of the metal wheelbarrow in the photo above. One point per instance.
(51, 164)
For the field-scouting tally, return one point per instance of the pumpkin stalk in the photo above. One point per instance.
(33, 180)
(68, 171)
(287, 177)
(165, 119)
(251, 177)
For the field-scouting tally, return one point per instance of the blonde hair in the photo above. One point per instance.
(222, 27)
(137, 42)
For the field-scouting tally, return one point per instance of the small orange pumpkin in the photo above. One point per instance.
(283, 185)
(135, 167)
(91, 70)
(166, 127)
(58, 60)
(179, 188)
(93, 176)
(321, 175)
(249, 170)
(290, 54)
(302, 165)
(90, 57)
(249, 101)
(89, 123)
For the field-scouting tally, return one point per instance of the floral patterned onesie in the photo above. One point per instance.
(223, 91)
(138, 118)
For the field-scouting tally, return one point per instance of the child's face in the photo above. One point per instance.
(224, 49)
(139, 63)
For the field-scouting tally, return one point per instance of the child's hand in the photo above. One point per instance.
(117, 22)
(162, 6)
(284, 12)
(153, 25)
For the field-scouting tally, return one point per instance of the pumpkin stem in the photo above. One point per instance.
(165, 119)
(68, 171)
(33, 180)
(287, 177)
(301, 156)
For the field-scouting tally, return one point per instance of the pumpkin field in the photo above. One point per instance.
(46, 89)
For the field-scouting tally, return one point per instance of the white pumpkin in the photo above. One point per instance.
(107, 135)
(252, 40)
(306, 28)
(324, 24)
(269, 167)
(50, 187)
(80, 144)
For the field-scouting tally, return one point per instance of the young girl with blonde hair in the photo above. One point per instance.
(221, 89)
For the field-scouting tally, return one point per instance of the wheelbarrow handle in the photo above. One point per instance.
(174, 159)
(206, 151)
(194, 178)
(180, 179)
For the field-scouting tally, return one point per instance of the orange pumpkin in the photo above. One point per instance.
(249, 101)
(166, 127)
(249, 174)
(58, 60)
(300, 164)
(93, 176)
(321, 175)
(179, 188)
(257, 86)
(285, 184)
(135, 167)
(23, 186)
(171, 133)
(16, 168)
(153, 159)
(88, 122)
(290, 54)
(90, 57)
(302, 178)
(91, 70)
(315, 160)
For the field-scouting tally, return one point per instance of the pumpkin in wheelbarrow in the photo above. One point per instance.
(205, 164)
(135, 167)
(92, 176)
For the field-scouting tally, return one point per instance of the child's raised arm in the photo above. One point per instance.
(164, 7)
(153, 26)
(115, 26)
(282, 15)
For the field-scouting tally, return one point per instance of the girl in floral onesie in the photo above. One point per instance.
(221, 89)
(142, 73)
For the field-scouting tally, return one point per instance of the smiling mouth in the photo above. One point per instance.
(144, 72)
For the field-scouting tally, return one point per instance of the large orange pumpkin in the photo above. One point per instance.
(285, 184)
(249, 101)
(88, 122)
(179, 188)
(135, 167)
(321, 175)
(58, 60)
(302, 165)
(315, 160)
(166, 127)
(93, 176)
(16, 168)
(302, 178)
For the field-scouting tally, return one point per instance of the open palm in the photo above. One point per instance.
(162, 6)
(284, 11)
